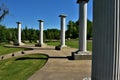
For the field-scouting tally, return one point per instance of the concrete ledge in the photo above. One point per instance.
(79, 55)
(40, 45)
(57, 48)
(60, 47)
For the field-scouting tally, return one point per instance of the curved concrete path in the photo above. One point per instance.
(58, 66)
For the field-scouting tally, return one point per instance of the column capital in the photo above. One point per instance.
(40, 21)
(79, 1)
(62, 15)
(18, 22)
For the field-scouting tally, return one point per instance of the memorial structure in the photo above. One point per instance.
(62, 37)
(40, 44)
(19, 34)
(82, 52)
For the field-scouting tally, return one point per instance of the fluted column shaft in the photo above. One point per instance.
(83, 26)
(106, 40)
(41, 31)
(63, 24)
(19, 32)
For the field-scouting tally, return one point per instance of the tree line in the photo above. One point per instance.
(32, 35)
(27, 34)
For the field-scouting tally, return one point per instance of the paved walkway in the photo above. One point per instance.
(58, 66)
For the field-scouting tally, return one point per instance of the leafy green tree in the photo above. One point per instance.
(9, 35)
(14, 38)
(69, 32)
(2, 33)
(52, 34)
(56, 34)
(32, 35)
(26, 33)
(73, 29)
(89, 29)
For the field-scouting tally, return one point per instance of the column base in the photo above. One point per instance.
(80, 55)
(40, 45)
(60, 47)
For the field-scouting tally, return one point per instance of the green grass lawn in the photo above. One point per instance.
(53, 43)
(73, 43)
(21, 68)
(5, 50)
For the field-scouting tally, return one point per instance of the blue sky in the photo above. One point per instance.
(29, 11)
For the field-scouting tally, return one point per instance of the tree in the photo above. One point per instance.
(8, 35)
(69, 32)
(73, 29)
(89, 29)
(11, 34)
(25, 33)
(2, 33)
(3, 11)
(52, 34)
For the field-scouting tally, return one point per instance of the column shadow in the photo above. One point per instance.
(44, 48)
(48, 57)
(60, 57)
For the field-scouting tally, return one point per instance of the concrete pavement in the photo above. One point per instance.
(58, 66)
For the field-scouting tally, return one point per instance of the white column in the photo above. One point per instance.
(106, 40)
(41, 32)
(82, 53)
(19, 32)
(63, 24)
(82, 25)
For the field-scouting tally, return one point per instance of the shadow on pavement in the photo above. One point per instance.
(44, 48)
(59, 57)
